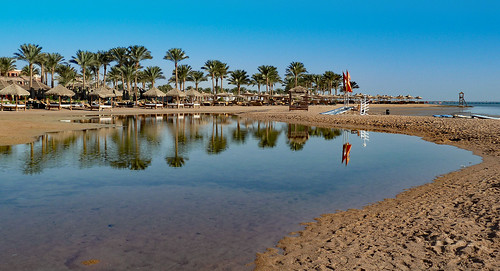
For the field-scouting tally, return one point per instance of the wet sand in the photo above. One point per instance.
(451, 223)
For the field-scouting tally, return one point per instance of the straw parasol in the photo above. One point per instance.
(60, 91)
(175, 93)
(193, 93)
(14, 90)
(3, 83)
(154, 93)
(39, 85)
(299, 89)
(102, 92)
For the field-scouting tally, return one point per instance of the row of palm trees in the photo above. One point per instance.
(128, 70)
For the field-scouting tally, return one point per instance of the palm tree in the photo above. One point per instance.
(176, 55)
(295, 70)
(258, 79)
(211, 68)
(329, 78)
(84, 59)
(53, 60)
(197, 77)
(265, 70)
(105, 58)
(115, 74)
(137, 54)
(238, 78)
(7, 64)
(41, 61)
(129, 72)
(183, 73)
(119, 55)
(67, 74)
(273, 78)
(152, 74)
(29, 53)
(222, 69)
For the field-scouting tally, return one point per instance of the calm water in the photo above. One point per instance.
(192, 192)
(489, 109)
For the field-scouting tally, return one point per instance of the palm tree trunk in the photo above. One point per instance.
(104, 76)
(176, 84)
(52, 78)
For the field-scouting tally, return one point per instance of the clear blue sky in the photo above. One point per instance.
(429, 48)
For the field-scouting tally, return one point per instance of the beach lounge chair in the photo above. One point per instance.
(153, 105)
(101, 107)
(13, 107)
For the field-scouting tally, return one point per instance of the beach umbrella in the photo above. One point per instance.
(176, 93)
(193, 93)
(418, 98)
(3, 83)
(60, 91)
(37, 85)
(102, 92)
(14, 90)
(154, 93)
(298, 89)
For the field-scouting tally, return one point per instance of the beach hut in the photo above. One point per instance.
(14, 90)
(60, 91)
(302, 104)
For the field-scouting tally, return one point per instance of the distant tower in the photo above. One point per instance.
(461, 100)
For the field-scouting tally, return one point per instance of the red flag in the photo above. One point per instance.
(347, 82)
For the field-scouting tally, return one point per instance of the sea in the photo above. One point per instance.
(491, 109)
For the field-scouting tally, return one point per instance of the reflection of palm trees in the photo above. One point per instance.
(217, 143)
(239, 135)
(297, 136)
(268, 136)
(129, 151)
(176, 160)
(326, 133)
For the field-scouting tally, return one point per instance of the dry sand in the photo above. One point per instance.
(449, 224)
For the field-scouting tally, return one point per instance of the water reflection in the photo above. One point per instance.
(136, 139)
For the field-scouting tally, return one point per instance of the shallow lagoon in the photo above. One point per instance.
(192, 192)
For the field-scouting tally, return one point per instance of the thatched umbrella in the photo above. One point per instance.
(176, 93)
(3, 83)
(14, 90)
(37, 85)
(60, 91)
(102, 92)
(299, 89)
(154, 93)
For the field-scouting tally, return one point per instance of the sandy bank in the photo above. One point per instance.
(450, 224)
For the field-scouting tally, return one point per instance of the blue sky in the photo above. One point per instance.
(429, 48)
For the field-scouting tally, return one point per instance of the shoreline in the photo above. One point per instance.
(450, 223)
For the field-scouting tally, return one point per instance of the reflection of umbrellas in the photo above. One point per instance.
(14, 90)
(60, 91)
(154, 92)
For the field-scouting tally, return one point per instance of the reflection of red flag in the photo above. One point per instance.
(346, 151)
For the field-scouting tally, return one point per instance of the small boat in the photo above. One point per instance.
(442, 116)
(484, 117)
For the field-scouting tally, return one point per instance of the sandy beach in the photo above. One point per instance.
(449, 224)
